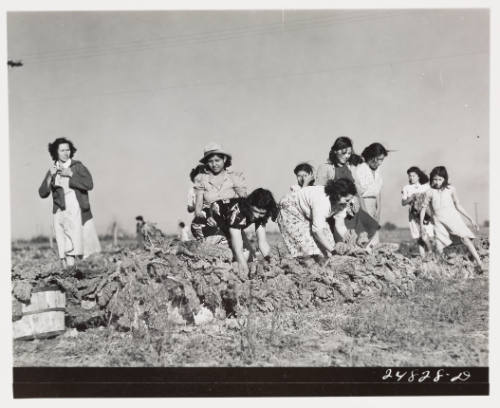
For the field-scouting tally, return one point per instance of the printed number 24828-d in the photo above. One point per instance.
(430, 375)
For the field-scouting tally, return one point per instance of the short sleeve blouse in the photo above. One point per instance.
(232, 185)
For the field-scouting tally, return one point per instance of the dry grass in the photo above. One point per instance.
(441, 323)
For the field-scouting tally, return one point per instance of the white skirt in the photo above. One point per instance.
(68, 228)
(72, 238)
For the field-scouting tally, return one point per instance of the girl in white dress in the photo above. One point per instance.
(418, 184)
(447, 214)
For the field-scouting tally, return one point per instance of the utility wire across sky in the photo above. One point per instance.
(201, 38)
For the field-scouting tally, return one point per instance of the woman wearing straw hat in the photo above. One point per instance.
(218, 183)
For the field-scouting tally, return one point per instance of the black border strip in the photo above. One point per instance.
(51, 382)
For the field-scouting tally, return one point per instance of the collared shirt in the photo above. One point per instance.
(368, 182)
(223, 186)
(315, 206)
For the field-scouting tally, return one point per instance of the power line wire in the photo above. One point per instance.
(206, 40)
(55, 53)
(258, 78)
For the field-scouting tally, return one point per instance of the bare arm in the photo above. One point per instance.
(323, 241)
(237, 247)
(424, 209)
(264, 247)
(379, 206)
(461, 209)
(198, 207)
(340, 223)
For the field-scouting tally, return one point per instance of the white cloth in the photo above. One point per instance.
(72, 238)
(408, 191)
(91, 244)
(68, 228)
(368, 182)
(411, 189)
(315, 206)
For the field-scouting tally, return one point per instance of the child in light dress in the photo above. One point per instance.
(411, 195)
(448, 214)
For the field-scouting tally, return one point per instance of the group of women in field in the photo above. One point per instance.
(339, 202)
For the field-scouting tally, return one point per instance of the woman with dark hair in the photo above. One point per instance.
(368, 179)
(342, 162)
(412, 195)
(303, 216)
(236, 215)
(217, 183)
(305, 176)
(447, 214)
(341, 159)
(69, 181)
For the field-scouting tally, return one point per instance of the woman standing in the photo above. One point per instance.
(342, 162)
(218, 183)
(69, 181)
(369, 181)
(303, 216)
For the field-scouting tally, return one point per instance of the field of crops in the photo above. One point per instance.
(186, 304)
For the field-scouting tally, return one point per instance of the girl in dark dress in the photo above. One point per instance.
(236, 215)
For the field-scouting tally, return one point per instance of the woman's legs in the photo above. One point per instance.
(470, 246)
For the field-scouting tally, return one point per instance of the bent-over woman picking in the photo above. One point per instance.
(235, 216)
(342, 162)
(303, 217)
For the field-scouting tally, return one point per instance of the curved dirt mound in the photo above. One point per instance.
(174, 282)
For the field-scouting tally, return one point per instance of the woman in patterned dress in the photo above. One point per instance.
(303, 217)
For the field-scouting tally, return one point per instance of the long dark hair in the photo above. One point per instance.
(374, 150)
(54, 146)
(442, 172)
(263, 199)
(422, 177)
(343, 142)
(335, 189)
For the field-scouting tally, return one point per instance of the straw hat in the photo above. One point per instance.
(213, 148)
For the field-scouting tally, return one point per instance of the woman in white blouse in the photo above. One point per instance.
(369, 181)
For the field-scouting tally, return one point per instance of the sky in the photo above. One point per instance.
(141, 93)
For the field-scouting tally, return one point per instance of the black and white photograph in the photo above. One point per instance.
(303, 189)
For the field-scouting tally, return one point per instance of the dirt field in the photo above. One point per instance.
(438, 322)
